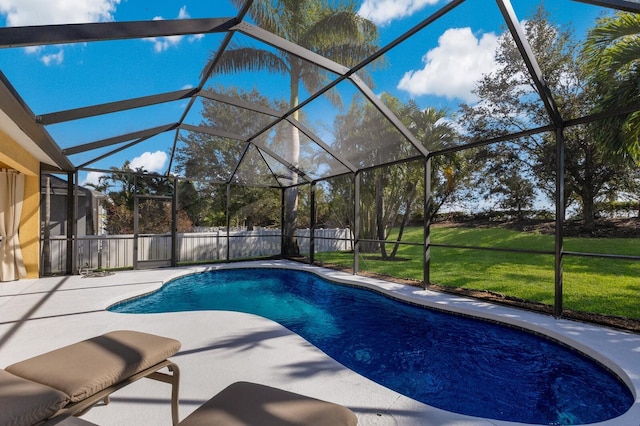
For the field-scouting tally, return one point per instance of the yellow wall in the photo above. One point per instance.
(13, 156)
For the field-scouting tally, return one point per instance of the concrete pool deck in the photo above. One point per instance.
(219, 348)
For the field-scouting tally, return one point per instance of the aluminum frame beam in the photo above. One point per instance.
(119, 139)
(533, 67)
(263, 149)
(117, 106)
(218, 97)
(559, 225)
(240, 103)
(316, 139)
(368, 93)
(287, 116)
(110, 153)
(624, 5)
(290, 47)
(41, 35)
(250, 141)
(213, 132)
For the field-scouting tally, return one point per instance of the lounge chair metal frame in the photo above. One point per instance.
(81, 407)
(67, 382)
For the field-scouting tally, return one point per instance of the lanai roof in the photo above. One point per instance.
(89, 131)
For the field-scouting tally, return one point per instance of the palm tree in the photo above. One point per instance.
(612, 53)
(448, 171)
(331, 29)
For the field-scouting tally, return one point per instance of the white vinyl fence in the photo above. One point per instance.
(117, 251)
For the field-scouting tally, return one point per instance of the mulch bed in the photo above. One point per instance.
(604, 228)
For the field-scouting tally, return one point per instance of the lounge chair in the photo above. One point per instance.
(252, 404)
(56, 385)
(52, 387)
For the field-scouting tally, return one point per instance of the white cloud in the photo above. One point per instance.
(53, 58)
(384, 11)
(150, 161)
(92, 178)
(33, 49)
(453, 68)
(160, 44)
(41, 12)
(196, 37)
(164, 43)
(183, 13)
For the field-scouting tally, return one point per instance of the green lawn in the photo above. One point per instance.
(602, 286)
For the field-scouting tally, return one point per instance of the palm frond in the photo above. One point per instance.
(344, 37)
(341, 28)
(614, 40)
(612, 28)
(620, 133)
(612, 57)
(248, 59)
(623, 55)
(632, 132)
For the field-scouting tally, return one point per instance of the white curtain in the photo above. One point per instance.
(11, 198)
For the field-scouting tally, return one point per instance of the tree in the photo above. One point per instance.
(123, 186)
(389, 195)
(502, 178)
(211, 160)
(362, 133)
(449, 172)
(509, 103)
(190, 202)
(336, 198)
(612, 55)
(334, 30)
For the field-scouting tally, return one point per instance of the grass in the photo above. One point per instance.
(603, 286)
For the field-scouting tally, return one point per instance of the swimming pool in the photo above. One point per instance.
(451, 362)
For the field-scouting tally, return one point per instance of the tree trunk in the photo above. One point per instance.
(291, 247)
(405, 219)
(588, 192)
(588, 212)
(367, 229)
(380, 225)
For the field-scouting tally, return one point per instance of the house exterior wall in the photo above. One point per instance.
(13, 156)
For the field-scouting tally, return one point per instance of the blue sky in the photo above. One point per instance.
(438, 67)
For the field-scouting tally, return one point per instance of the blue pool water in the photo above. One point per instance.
(456, 363)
